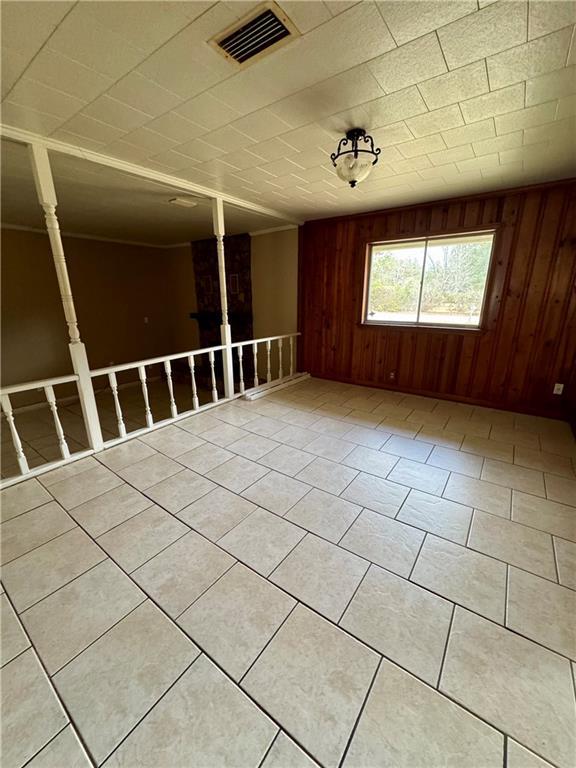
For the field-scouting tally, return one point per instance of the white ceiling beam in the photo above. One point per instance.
(27, 137)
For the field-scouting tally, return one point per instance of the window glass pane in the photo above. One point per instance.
(454, 280)
(395, 279)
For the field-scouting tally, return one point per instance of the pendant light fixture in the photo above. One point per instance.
(355, 156)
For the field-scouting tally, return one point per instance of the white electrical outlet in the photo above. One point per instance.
(558, 389)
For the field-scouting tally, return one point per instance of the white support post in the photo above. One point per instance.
(225, 330)
(47, 199)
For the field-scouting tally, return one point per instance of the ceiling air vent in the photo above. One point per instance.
(255, 35)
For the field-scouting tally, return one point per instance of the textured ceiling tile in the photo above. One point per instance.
(485, 161)
(495, 103)
(310, 157)
(410, 19)
(14, 62)
(441, 171)
(175, 127)
(143, 94)
(200, 151)
(394, 107)
(261, 125)
(301, 109)
(273, 149)
(434, 143)
(59, 72)
(26, 26)
(548, 15)
(29, 119)
(498, 144)
(30, 93)
(207, 111)
(409, 64)
(481, 34)
(566, 107)
(525, 118)
(434, 122)
(529, 60)
(455, 86)
(451, 155)
(411, 164)
(116, 113)
(149, 141)
(228, 139)
(83, 125)
(242, 159)
(304, 138)
(392, 134)
(551, 86)
(559, 131)
(280, 167)
(468, 133)
(306, 16)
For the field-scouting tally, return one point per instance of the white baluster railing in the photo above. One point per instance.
(240, 369)
(213, 377)
(272, 375)
(192, 367)
(255, 356)
(16, 442)
(117, 407)
(51, 398)
(268, 371)
(280, 369)
(168, 371)
(147, 410)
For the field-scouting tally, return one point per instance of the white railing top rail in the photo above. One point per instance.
(264, 338)
(153, 361)
(40, 384)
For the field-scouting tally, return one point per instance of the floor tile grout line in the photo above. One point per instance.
(506, 596)
(352, 596)
(274, 740)
(204, 591)
(17, 656)
(268, 642)
(409, 577)
(33, 549)
(445, 652)
(361, 712)
(53, 688)
(53, 738)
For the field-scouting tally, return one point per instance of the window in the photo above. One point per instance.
(438, 281)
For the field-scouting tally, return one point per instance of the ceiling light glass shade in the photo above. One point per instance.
(355, 156)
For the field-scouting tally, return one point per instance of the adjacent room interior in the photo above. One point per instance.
(288, 384)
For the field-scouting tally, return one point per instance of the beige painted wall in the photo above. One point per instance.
(115, 287)
(275, 283)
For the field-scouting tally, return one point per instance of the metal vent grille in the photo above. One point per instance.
(255, 36)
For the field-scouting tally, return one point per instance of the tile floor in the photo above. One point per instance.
(331, 575)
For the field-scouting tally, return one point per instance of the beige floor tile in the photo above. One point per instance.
(544, 514)
(330, 448)
(561, 489)
(237, 474)
(253, 446)
(31, 713)
(427, 418)
(468, 427)
(297, 437)
(456, 461)
(64, 750)
(369, 438)
(423, 477)
(371, 461)
(99, 688)
(287, 460)
(125, 454)
(284, 753)
(566, 561)
(68, 470)
(542, 611)
(180, 490)
(443, 437)
(321, 575)
(216, 513)
(404, 622)
(148, 472)
(437, 732)
(327, 475)
(141, 537)
(377, 494)
(518, 437)
(77, 489)
(217, 725)
(399, 427)
(235, 415)
(544, 462)
(180, 573)
(440, 516)
(172, 441)
(223, 434)
(262, 540)
(112, 508)
(199, 423)
(32, 529)
(363, 419)
(300, 419)
(333, 427)
(265, 426)
(491, 449)
(512, 476)
(235, 618)
(514, 684)
(21, 498)
(385, 542)
(276, 492)
(395, 412)
(560, 446)
(65, 623)
(516, 544)
(13, 639)
(47, 568)
(313, 678)
(520, 757)
(205, 457)
(407, 448)
(426, 404)
(320, 512)
(473, 580)
(479, 494)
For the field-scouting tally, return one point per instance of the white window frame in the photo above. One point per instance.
(366, 320)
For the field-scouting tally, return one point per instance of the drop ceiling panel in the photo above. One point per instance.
(482, 93)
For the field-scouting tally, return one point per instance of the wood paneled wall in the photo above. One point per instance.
(528, 341)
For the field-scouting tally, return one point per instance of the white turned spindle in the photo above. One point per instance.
(51, 398)
(280, 368)
(168, 369)
(53, 228)
(291, 355)
(117, 407)
(268, 372)
(255, 356)
(195, 404)
(240, 369)
(213, 377)
(16, 442)
(142, 375)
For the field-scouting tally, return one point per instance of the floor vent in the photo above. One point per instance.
(258, 34)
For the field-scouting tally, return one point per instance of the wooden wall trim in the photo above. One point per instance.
(528, 339)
